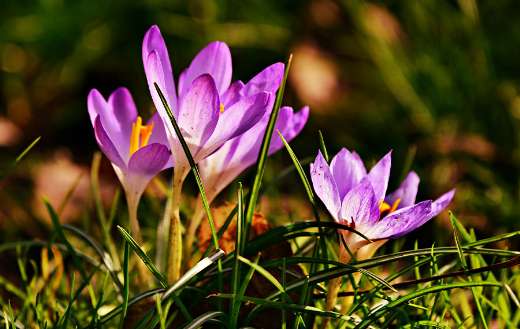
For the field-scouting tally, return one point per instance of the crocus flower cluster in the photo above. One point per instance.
(209, 109)
(212, 113)
(223, 123)
(358, 198)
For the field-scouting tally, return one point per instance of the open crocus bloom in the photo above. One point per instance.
(358, 199)
(209, 109)
(239, 153)
(138, 152)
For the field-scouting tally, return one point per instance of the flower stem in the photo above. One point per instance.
(135, 230)
(196, 219)
(335, 285)
(366, 252)
(175, 239)
(163, 228)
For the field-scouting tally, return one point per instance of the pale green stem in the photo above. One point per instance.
(196, 219)
(132, 200)
(163, 228)
(335, 285)
(175, 239)
(363, 253)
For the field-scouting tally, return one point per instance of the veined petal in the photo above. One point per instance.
(239, 153)
(239, 118)
(158, 69)
(401, 221)
(155, 75)
(232, 94)
(215, 60)
(124, 110)
(289, 124)
(360, 205)
(123, 106)
(348, 170)
(159, 135)
(379, 176)
(325, 186)
(96, 104)
(199, 112)
(406, 192)
(442, 202)
(149, 160)
(106, 144)
(267, 80)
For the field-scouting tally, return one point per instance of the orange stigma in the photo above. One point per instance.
(221, 108)
(140, 135)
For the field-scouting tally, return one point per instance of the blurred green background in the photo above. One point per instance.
(436, 81)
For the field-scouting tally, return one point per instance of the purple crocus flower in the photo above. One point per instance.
(239, 153)
(209, 109)
(137, 152)
(358, 199)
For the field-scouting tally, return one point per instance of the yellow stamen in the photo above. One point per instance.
(386, 208)
(383, 206)
(395, 205)
(140, 135)
(221, 108)
(146, 133)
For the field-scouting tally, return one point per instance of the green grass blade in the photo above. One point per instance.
(193, 166)
(235, 279)
(200, 320)
(262, 156)
(143, 256)
(126, 284)
(241, 292)
(323, 147)
(418, 293)
(26, 150)
(475, 293)
(61, 235)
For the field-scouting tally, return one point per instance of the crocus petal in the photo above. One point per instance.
(239, 153)
(124, 110)
(360, 205)
(149, 160)
(348, 170)
(325, 186)
(158, 69)
(199, 112)
(123, 107)
(215, 60)
(106, 144)
(232, 94)
(268, 80)
(406, 192)
(379, 176)
(96, 105)
(400, 222)
(442, 202)
(289, 124)
(159, 135)
(239, 118)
